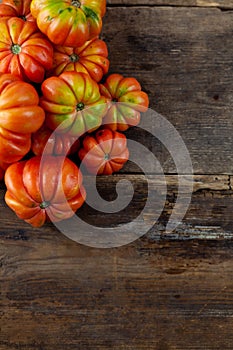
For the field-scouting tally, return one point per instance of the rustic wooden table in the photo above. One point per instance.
(161, 292)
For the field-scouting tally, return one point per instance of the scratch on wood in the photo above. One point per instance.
(183, 325)
(210, 3)
(213, 298)
(115, 271)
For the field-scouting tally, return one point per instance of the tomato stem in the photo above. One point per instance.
(44, 205)
(74, 57)
(106, 156)
(80, 106)
(23, 18)
(75, 3)
(15, 49)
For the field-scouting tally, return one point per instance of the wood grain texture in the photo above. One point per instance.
(224, 4)
(163, 296)
(183, 59)
(165, 291)
(209, 215)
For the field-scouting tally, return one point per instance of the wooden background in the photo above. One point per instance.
(162, 292)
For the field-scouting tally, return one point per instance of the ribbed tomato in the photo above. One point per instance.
(72, 103)
(13, 146)
(91, 58)
(20, 115)
(104, 152)
(44, 190)
(50, 142)
(69, 22)
(24, 51)
(19, 8)
(126, 102)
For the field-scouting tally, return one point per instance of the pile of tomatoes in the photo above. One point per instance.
(57, 100)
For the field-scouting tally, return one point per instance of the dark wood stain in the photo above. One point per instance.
(165, 291)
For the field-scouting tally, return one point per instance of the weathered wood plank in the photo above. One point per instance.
(225, 4)
(183, 59)
(59, 295)
(209, 215)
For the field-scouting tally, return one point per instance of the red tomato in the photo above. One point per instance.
(105, 152)
(40, 191)
(72, 103)
(13, 146)
(24, 50)
(91, 58)
(69, 22)
(20, 115)
(126, 102)
(56, 144)
(19, 8)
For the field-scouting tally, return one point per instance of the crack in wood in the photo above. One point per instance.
(200, 4)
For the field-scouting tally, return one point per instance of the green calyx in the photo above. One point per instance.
(75, 3)
(15, 49)
(23, 18)
(74, 57)
(106, 156)
(80, 106)
(44, 205)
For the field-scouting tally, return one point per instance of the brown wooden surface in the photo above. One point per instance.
(183, 59)
(164, 291)
(162, 296)
(222, 4)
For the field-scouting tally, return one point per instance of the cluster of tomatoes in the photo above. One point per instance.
(54, 103)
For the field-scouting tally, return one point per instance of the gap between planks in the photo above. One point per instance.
(222, 9)
(223, 6)
(214, 182)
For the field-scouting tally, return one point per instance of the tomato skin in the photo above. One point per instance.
(19, 117)
(104, 152)
(36, 189)
(69, 23)
(24, 51)
(72, 103)
(19, 8)
(13, 146)
(91, 58)
(56, 144)
(126, 102)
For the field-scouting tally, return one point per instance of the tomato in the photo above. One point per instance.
(69, 22)
(19, 8)
(72, 103)
(20, 115)
(56, 144)
(43, 190)
(91, 58)
(13, 146)
(24, 51)
(126, 102)
(104, 152)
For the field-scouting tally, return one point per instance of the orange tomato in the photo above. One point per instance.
(41, 190)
